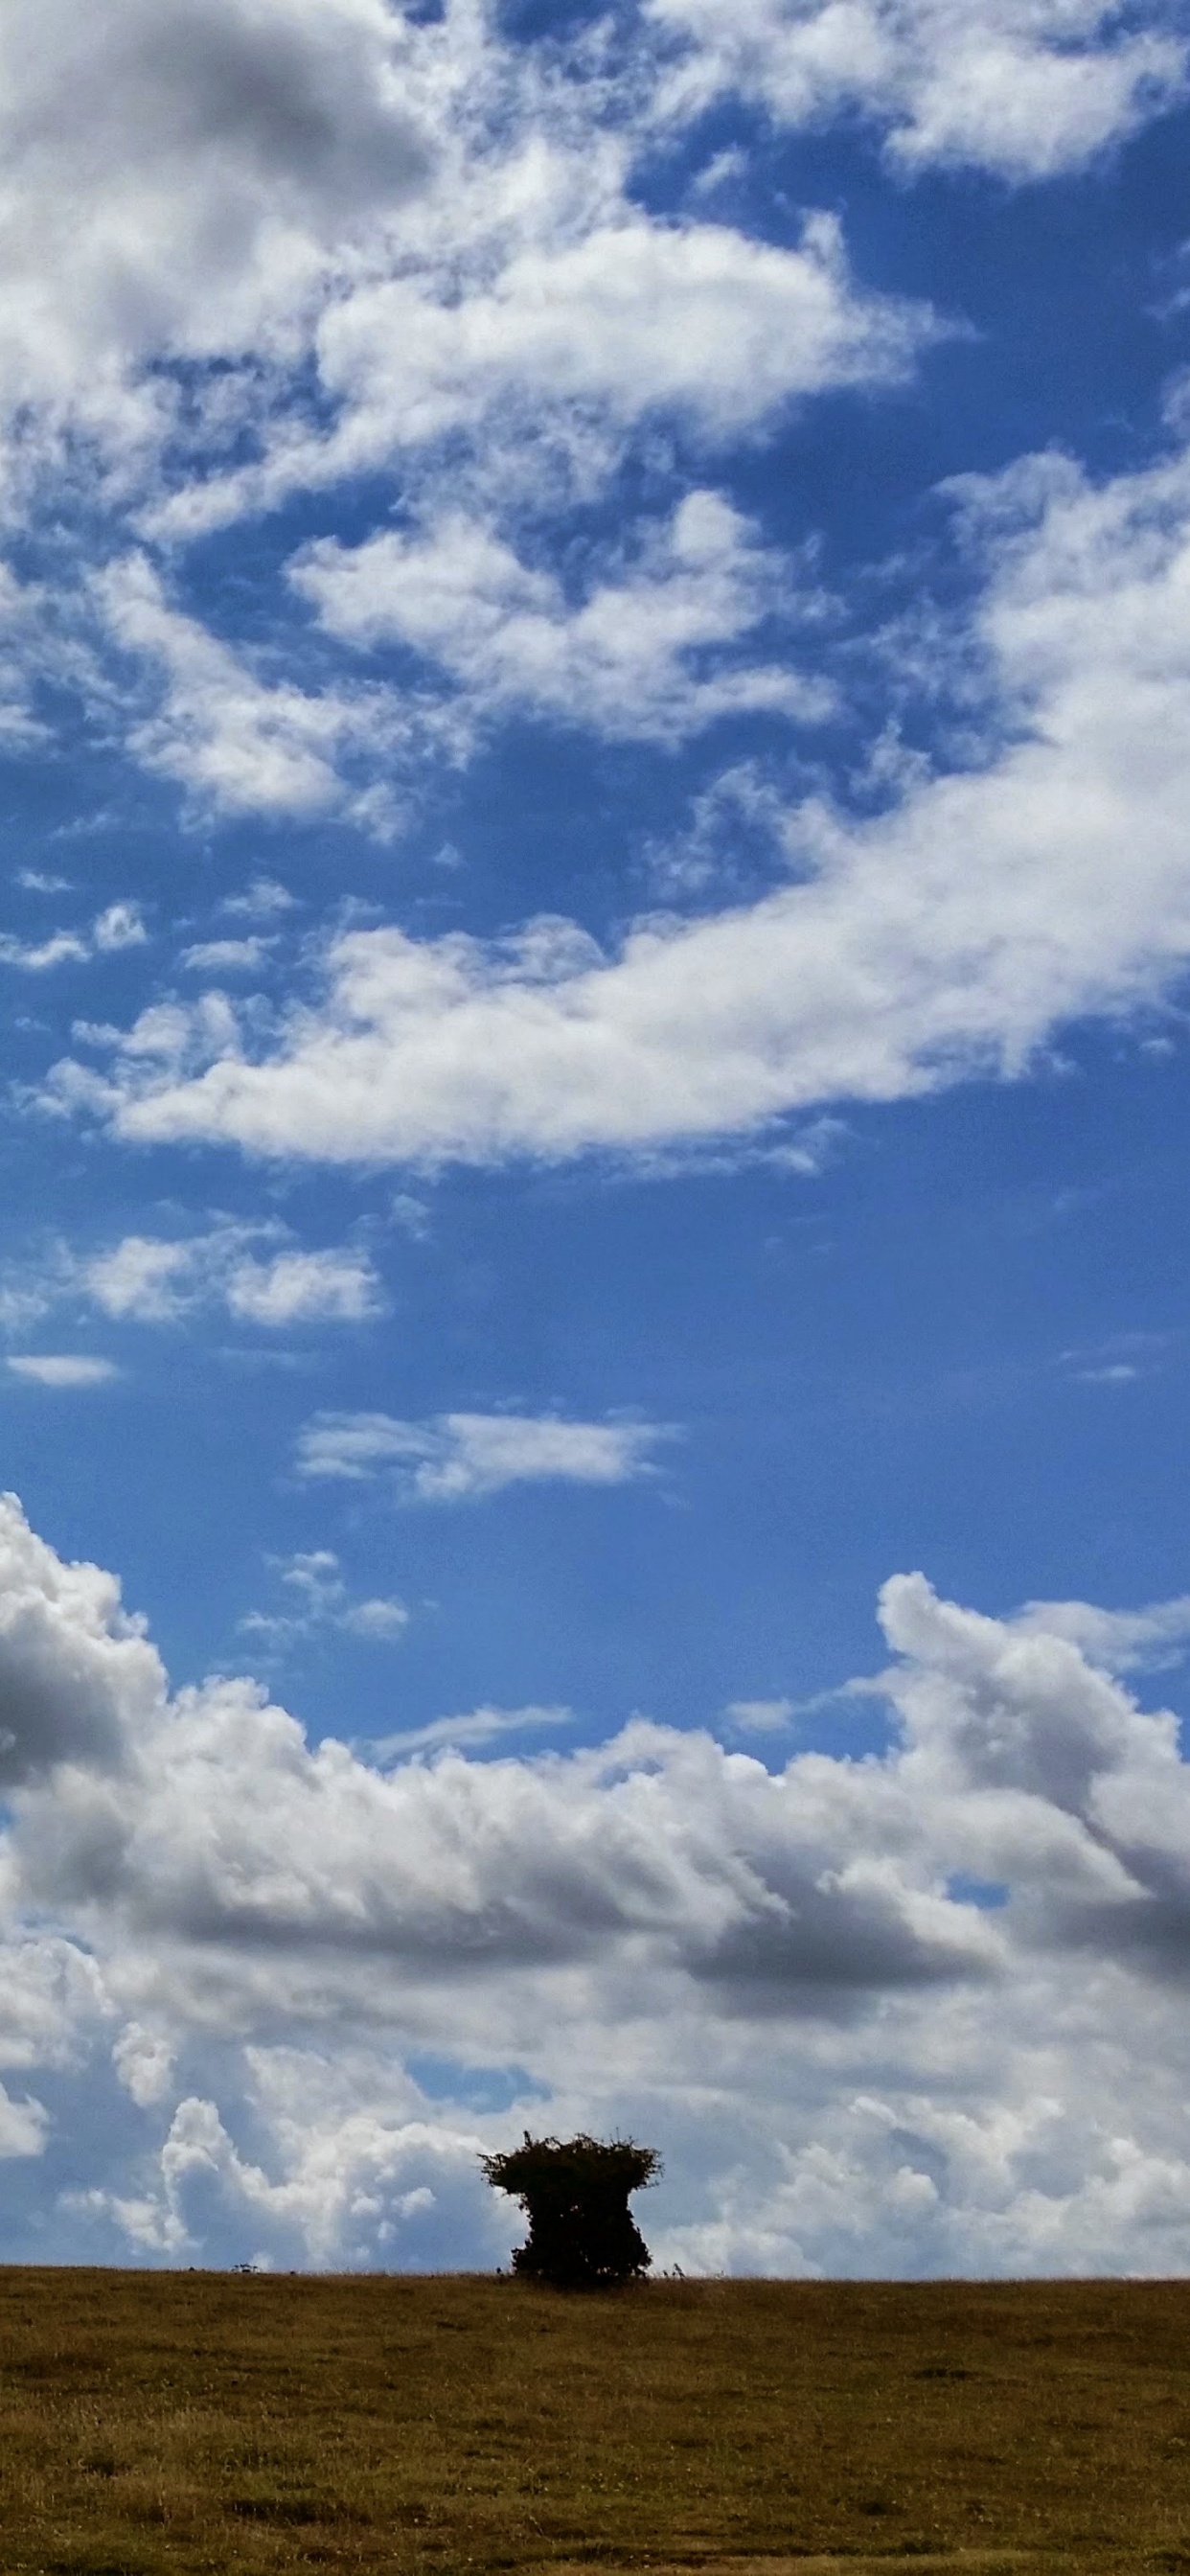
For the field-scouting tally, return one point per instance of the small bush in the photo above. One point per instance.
(582, 2235)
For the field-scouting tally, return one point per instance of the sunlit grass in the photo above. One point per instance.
(200, 2421)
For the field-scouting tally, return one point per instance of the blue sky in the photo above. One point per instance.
(594, 664)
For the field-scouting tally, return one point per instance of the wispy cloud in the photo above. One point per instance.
(470, 1733)
(226, 956)
(264, 899)
(760, 1716)
(62, 1369)
(120, 925)
(462, 1457)
(1122, 1641)
(319, 1600)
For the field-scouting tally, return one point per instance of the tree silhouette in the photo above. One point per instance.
(582, 2235)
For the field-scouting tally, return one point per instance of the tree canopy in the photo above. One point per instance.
(575, 2191)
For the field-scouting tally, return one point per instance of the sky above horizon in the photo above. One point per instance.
(595, 931)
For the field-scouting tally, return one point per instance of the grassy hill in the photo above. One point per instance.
(196, 2421)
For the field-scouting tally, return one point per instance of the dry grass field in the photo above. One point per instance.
(196, 2421)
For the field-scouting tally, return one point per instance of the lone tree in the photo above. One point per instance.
(582, 2235)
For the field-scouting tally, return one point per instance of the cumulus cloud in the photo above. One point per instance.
(52, 2000)
(1024, 88)
(79, 1676)
(24, 2126)
(144, 2063)
(625, 1930)
(461, 1457)
(948, 935)
(178, 179)
(352, 2172)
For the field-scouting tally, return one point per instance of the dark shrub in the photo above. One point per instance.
(582, 2235)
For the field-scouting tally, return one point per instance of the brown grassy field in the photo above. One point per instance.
(196, 2421)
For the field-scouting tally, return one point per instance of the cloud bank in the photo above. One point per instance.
(919, 2011)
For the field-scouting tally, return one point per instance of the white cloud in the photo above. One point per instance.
(326, 182)
(479, 1726)
(305, 1288)
(262, 900)
(62, 1369)
(226, 956)
(631, 661)
(379, 1618)
(310, 239)
(141, 1276)
(254, 1272)
(24, 2126)
(79, 1672)
(411, 1215)
(642, 316)
(292, 244)
(1121, 1640)
(597, 320)
(460, 1457)
(760, 1716)
(641, 1928)
(150, 1279)
(37, 956)
(295, 191)
(144, 2063)
(949, 935)
(737, 828)
(347, 2172)
(237, 742)
(120, 926)
(1024, 88)
(179, 175)
(321, 1601)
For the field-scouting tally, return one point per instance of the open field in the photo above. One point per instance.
(196, 2421)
